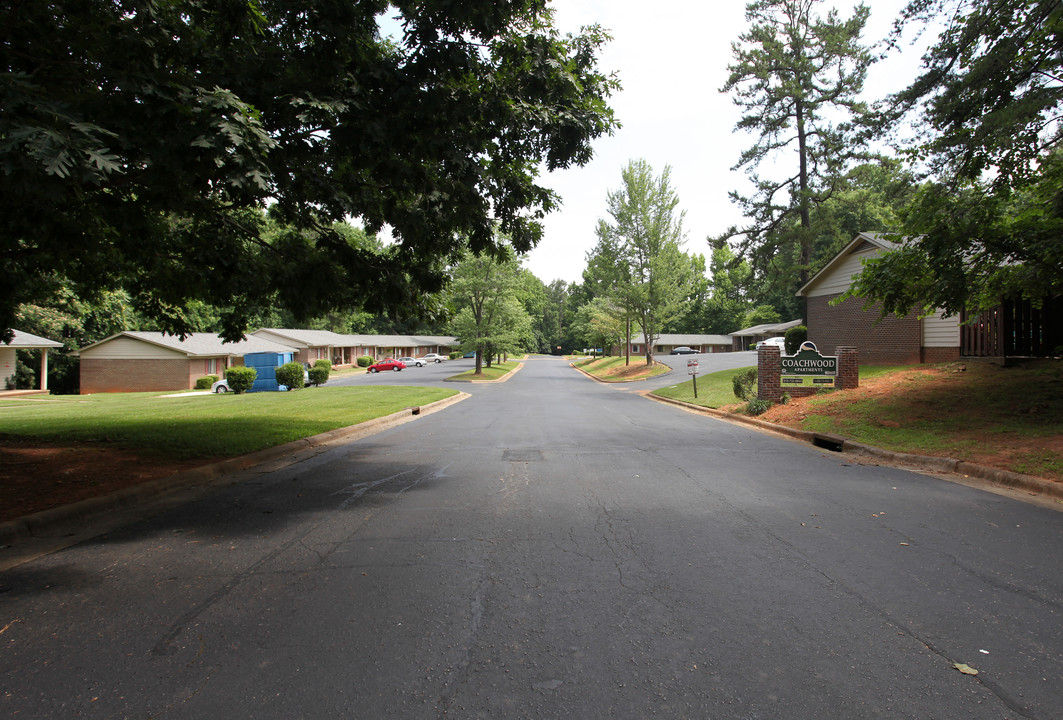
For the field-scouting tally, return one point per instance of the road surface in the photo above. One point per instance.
(552, 548)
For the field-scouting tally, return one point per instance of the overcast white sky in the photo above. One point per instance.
(671, 57)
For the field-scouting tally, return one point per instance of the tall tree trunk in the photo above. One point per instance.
(805, 257)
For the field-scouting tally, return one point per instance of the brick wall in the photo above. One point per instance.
(893, 341)
(769, 373)
(113, 375)
(940, 354)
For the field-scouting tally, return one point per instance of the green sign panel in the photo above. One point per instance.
(808, 369)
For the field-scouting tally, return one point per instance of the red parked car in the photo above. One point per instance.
(388, 364)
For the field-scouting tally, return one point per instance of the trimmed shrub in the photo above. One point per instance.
(794, 337)
(365, 361)
(456, 355)
(291, 375)
(322, 362)
(205, 382)
(318, 375)
(744, 384)
(241, 378)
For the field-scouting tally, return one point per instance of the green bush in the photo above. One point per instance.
(757, 406)
(291, 375)
(456, 355)
(240, 378)
(365, 361)
(205, 382)
(794, 337)
(322, 362)
(318, 375)
(744, 384)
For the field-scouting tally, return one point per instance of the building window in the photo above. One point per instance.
(635, 348)
(212, 366)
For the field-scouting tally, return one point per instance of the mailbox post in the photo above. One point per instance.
(692, 370)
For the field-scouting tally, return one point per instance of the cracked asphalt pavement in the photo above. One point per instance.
(552, 548)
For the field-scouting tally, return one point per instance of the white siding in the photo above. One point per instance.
(7, 365)
(127, 348)
(940, 331)
(839, 278)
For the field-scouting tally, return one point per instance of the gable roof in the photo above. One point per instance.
(863, 241)
(25, 340)
(199, 344)
(767, 329)
(305, 338)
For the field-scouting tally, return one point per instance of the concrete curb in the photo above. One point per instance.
(55, 521)
(926, 463)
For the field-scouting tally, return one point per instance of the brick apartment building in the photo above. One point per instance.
(890, 341)
(149, 361)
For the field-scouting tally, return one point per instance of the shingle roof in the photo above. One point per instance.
(200, 344)
(767, 329)
(685, 339)
(309, 338)
(327, 338)
(397, 340)
(29, 340)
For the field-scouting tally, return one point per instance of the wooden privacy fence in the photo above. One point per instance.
(1015, 328)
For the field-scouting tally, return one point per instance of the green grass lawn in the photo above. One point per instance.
(1004, 417)
(495, 372)
(714, 390)
(204, 426)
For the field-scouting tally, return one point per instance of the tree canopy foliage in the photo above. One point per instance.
(638, 257)
(141, 141)
(987, 224)
(488, 316)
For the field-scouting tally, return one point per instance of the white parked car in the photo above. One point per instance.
(434, 357)
(779, 342)
(419, 362)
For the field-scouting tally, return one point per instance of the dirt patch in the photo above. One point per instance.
(36, 476)
(981, 413)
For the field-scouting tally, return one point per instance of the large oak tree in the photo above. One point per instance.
(140, 142)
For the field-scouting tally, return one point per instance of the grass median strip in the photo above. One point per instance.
(193, 426)
(615, 368)
(714, 390)
(495, 372)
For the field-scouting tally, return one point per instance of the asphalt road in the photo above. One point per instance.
(552, 548)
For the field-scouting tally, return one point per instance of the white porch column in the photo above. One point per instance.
(44, 368)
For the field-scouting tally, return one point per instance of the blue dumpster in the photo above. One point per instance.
(266, 364)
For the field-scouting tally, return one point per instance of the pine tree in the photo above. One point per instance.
(797, 79)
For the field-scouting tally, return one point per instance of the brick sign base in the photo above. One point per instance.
(769, 374)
